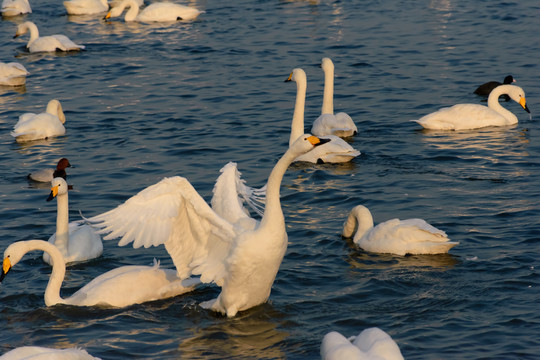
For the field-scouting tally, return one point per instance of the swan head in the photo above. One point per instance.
(12, 256)
(327, 64)
(59, 187)
(23, 28)
(119, 8)
(296, 75)
(518, 95)
(306, 143)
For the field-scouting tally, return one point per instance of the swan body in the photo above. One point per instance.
(474, 116)
(486, 88)
(328, 123)
(334, 151)
(400, 237)
(49, 43)
(76, 241)
(13, 74)
(237, 253)
(158, 11)
(41, 126)
(15, 7)
(83, 7)
(47, 175)
(370, 344)
(120, 287)
(43, 353)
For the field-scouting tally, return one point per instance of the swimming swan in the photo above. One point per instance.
(242, 257)
(15, 7)
(123, 286)
(474, 116)
(370, 344)
(336, 149)
(43, 353)
(13, 74)
(400, 237)
(327, 123)
(47, 175)
(486, 88)
(158, 11)
(83, 7)
(76, 241)
(45, 43)
(41, 126)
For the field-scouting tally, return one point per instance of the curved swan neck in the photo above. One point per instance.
(34, 32)
(359, 217)
(297, 127)
(493, 103)
(62, 223)
(55, 108)
(328, 96)
(133, 11)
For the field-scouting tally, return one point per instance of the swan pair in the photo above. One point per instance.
(43, 353)
(15, 7)
(47, 175)
(370, 344)
(155, 12)
(13, 74)
(41, 126)
(45, 43)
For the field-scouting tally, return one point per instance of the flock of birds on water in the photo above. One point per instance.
(220, 242)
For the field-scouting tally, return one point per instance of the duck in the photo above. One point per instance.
(398, 237)
(15, 7)
(328, 123)
(242, 257)
(486, 88)
(86, 7)
(371, 344)
(50, 43)
(13, 74)
(336, 150)
(76, 241)
(475, 116)
(47, 175)
(41, 126)
(124, 286)
(45, 353)
(158, 11)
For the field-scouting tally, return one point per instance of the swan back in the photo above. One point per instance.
(43, 353)
(15, 7)
(370, 344)
(12, 74)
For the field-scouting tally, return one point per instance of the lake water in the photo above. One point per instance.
(147, 101)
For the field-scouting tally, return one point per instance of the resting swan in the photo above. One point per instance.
(335, 150)
(474, 116)
(327, 123)
(370, 344)
(13, 74)
(43, 353)
(400, 237)
(45, 43)
(47, 175)
(76, 241)
(158, 11)
(123, 286)
(83, 7)
(41, 126)
(15, 7)
(240, 255)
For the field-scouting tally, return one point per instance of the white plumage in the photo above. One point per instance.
(13, 74)
(15, 7)
(41, 126)
(86, 7)
(43, 353)
(45, 43)
(370, 344)
(158, 11)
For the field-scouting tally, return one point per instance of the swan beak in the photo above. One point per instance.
(523, 104)
(15, 36)
(54, 192)
(5, 268)
(315, 141)
(107, 16)
(289, 78)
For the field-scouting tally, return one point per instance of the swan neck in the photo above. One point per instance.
(62, 224)
(493, 104)
(297, 127)
(133, 11)
(34, 33)
(360, 219)
(328, 96)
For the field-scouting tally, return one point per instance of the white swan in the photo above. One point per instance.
(241, 256)
(158, 11)
(120, 287)
(76, 241)
(334, 151)
(15, 7)
(327, 123)
(370, 344)
(13, 74)
(400, 237)
(45, 43)
(84, 7)
(41, 126)
(43, 353)
(474, 116)
(47, 175)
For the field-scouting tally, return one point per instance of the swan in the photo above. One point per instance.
(474, 116)
(242, 257)
(370, 344)
(12, 74)
(158, 11)
(43, 353)
(327, 123)
(47, 175)
(15, 7)
(335, 150)
(76, 241)
(399, 237)
(83, 7)
(45, 43)
(41, 126)
(486, 88)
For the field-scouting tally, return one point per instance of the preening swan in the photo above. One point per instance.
(41, 126)
(370, 344)
(486, 88)
(123, 286)
(45, 43)
(239, 254)
(158, 11)
(474, 116)
(335, 150)
(47, 175)
(15, 7)
(327, 123)
(43, 353)
(83, 7)
(13, 74)
(400, 237)
(76, 241)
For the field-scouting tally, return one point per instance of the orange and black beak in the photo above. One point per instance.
(54, 192)
(6, 266)
(523, 104)
(315, 141)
